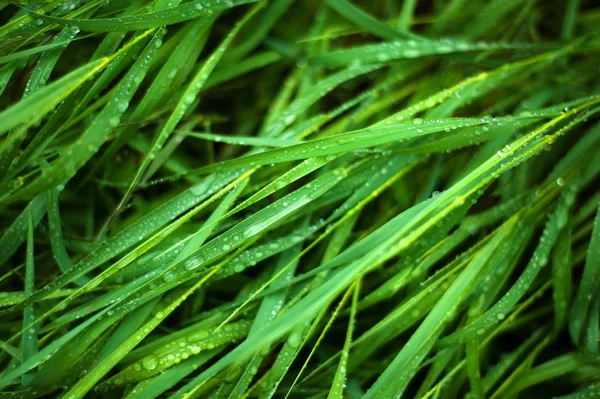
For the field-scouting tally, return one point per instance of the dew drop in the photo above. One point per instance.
(294, 340)
(193, 263)
(150, 362)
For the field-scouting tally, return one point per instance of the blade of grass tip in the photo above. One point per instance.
(29, 343)
(197, 239)
(339, 380)
(16, 233)
(496, 75)
(6, 73)
(152, 20)
(187, 98)
(590, 280)
(284, 180)
(14, 297)
(78, 153)
(32, 51)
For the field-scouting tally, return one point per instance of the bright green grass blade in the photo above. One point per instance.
(27, 53)
(153, 387)
(561, 277)
(29, 343)
(181, 349)
(339, 380)
(5, 75)
(188, 46)
(589, 283)
(58, 244)
(47, 62)
(242, 140)
(29, 111)
(268, 385)
(404, 49)
(16, 233)
(152, 20)
(408, 9)
(351, 141)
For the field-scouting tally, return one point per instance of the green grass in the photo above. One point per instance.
(304, 199)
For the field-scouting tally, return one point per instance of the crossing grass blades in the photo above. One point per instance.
(299, 199)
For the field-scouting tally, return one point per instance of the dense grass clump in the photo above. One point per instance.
(305, 199)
